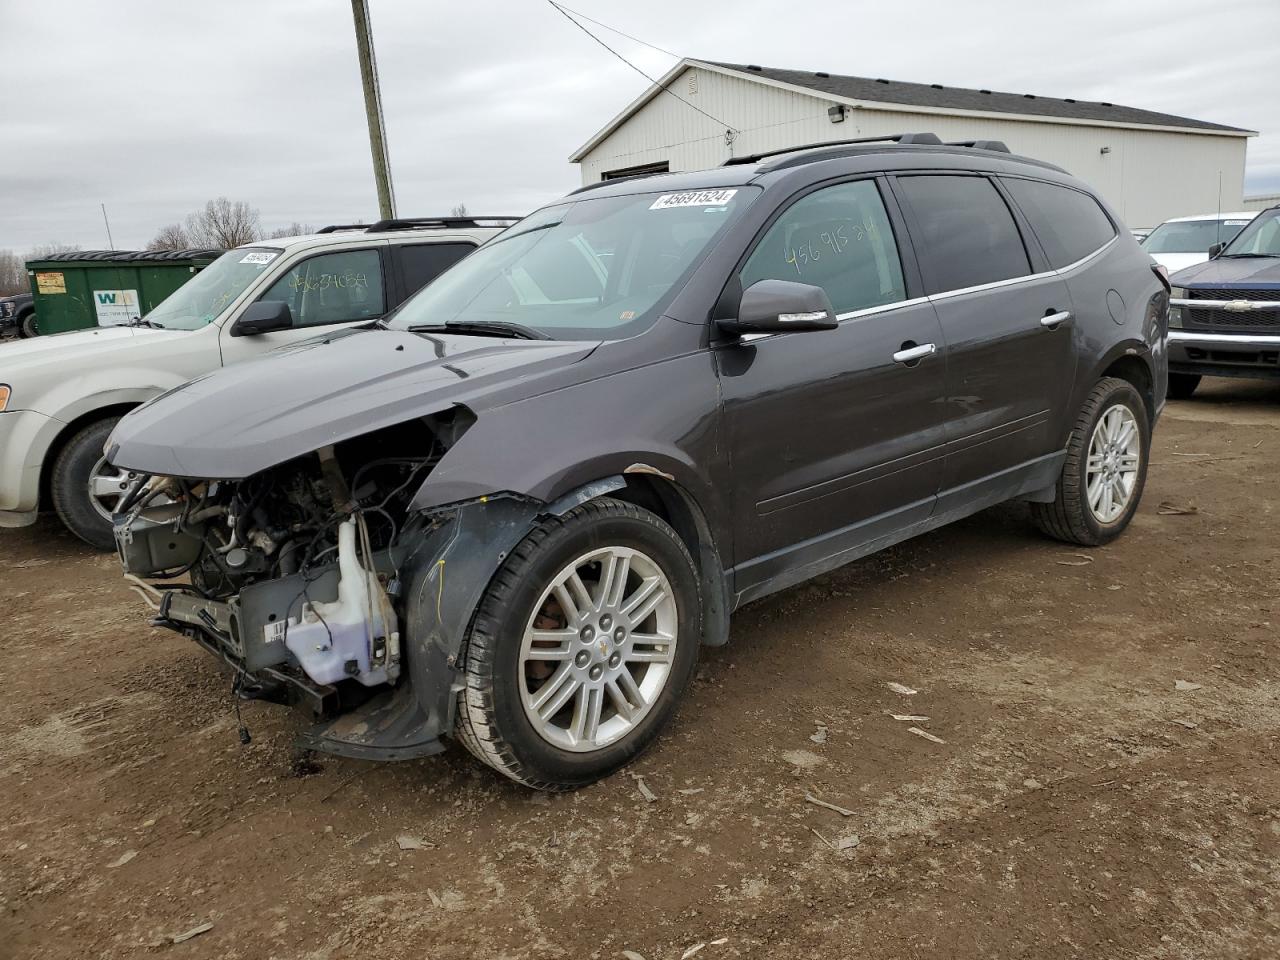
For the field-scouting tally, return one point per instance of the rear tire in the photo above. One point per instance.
(1183, 385)
(70, 485)
(1085, 511)
(535, 665)
(27, 326)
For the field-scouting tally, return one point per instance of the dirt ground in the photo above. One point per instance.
(1080, 799)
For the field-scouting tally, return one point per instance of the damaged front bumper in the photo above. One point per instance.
(444, 567)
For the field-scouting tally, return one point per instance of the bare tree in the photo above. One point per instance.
(173, 236)
(13, 274)
(459, 211)
(294, 229)
(13, 266)
(223, 224)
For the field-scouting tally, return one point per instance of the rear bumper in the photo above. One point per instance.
(25, 437)
(1224, 354)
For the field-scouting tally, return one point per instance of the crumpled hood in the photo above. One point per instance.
(1231, 271)
(245, 418)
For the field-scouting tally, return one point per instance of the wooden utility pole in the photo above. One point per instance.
(373, 110)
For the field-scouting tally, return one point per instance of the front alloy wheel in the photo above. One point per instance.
(598, 649)
(581, 647)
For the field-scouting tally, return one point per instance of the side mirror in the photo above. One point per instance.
(1215, 250)
(781, 306)
(264, 316)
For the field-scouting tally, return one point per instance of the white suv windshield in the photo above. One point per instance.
(593, 268)
(204, 296)
(1190, 236)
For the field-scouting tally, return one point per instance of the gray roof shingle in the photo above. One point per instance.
(959, 98)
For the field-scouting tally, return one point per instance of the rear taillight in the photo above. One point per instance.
(1162, 274)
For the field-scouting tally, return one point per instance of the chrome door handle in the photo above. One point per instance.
(1054, 320)
(912, 354)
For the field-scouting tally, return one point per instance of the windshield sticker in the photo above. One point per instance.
(693, 198)
(259, 256)
(1235, 223)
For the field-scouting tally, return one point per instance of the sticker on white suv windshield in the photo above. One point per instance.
(259, 256)
(693, 198)
(1235, 223)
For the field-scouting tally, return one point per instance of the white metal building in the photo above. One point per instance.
(1261, 202)
(1150, 166)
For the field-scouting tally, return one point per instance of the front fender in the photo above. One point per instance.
(661, 419)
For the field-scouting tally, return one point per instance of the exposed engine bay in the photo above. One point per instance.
(295, 575)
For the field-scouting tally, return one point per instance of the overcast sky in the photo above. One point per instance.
(154, 106)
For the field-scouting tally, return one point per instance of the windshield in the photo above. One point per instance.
(204, 296)
(597, 268)
(1191, 236)
(1260, 239)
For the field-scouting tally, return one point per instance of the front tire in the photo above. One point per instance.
(27, 326)
(1105, 470)
(1183, 385)
(85, 487)
(581, 648)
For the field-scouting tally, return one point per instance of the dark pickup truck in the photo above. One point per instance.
(1224, 319)
(18, 313)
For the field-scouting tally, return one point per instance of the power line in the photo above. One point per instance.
(643, 43)
(565, 13)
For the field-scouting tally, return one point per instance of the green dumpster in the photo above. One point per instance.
(106, 288)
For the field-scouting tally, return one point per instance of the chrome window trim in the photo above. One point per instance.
(1239, 340)
(1087, 257)
(851, 315)
(880, 308)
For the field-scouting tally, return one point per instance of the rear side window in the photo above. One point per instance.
(1070, 224)
(423, 262)
(837, 238)
(968, 236)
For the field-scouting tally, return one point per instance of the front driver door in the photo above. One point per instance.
(835, 437)
(323, 292)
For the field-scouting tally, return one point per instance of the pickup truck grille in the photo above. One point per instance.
(1253, 321)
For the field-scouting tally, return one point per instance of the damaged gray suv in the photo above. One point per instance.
(512, 511)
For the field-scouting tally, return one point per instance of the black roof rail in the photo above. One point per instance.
(436, 223)
(926, 138)
(335, 227)
(998, 146)
(612, 180)
(423, 223)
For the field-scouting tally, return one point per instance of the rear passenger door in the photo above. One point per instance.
(1007, 321)
(417, 264)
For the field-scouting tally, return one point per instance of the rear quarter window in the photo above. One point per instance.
(420, 263)
(1069, 224)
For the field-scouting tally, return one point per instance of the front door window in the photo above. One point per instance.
(342, 287)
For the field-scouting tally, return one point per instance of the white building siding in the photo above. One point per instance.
(1147, 175)
(1262, 202)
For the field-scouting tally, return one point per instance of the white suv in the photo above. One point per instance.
(61, 395)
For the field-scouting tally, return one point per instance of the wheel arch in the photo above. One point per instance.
(1136, 369)
(647, 487)
(69, 430)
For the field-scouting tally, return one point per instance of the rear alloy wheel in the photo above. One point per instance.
(85, 488)
(1105, 470)
(581, 648)
(1183, 385)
